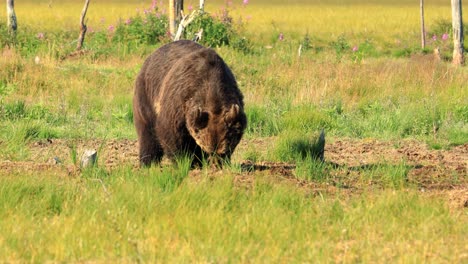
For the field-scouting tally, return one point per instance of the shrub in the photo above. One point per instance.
(218, 31)
(340, 46)
(149, 28)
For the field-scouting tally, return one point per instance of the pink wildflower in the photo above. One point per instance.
(445, 36)
(281, 37)
(128, 22)
(40, 35)
(355, 48)
(434, 37)
(245, 2)
(111, 28)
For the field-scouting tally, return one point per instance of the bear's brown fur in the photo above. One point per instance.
(187, 101)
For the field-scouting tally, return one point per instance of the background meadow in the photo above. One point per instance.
(361, 76)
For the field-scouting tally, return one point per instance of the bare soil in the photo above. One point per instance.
(434, 172)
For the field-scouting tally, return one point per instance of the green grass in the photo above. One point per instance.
(132, 216)
(389, 89)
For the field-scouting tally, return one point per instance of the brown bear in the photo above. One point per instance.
(187, 101)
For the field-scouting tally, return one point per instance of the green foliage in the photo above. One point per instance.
(340, 46)
(215, 32)
(148, 28)
(442, 26)
(364, 50)
(401, 53)
(6, 39)
(18, 110)
(218, 31)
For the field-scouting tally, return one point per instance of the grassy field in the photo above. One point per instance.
(394, 186)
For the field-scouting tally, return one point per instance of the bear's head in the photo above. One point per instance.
(217, 133)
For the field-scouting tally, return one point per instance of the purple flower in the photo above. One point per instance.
(40, 35)
(434, 37)
(445, 36)
(190, 8)
(355, 48)
(111, 28)
(128, 21)
(281, 37)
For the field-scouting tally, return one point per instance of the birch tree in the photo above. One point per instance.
(175, 15)
(423, 29)
(457, 25)
(202, 5)
(83, 27)
(12, 23)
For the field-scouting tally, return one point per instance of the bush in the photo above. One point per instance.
(215, 32)
(218, 31)
(149, 28)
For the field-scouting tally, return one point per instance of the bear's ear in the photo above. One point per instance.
(201, 118)
(232, 114)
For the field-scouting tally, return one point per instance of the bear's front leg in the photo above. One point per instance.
(150, 148)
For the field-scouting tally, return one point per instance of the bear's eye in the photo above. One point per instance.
(201, 120)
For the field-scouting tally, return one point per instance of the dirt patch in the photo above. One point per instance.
(442, 172)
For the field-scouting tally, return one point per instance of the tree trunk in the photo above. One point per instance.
(12, 24)
(178, 8)
(202, 5)
(83, 26)
(175, 15)
(457, 25)
(423, 30)
(171, 18)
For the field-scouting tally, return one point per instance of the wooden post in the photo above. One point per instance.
(83, 26)
(423, 30)
(457, 25)
(12, 23)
